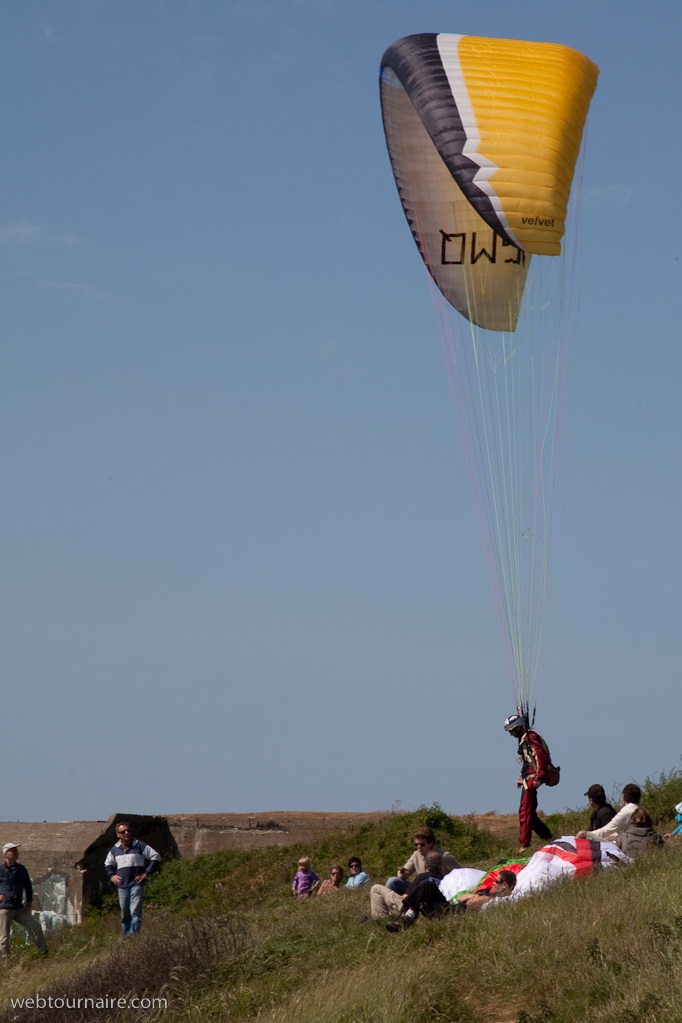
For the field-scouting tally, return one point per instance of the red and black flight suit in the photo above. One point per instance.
(534, 757)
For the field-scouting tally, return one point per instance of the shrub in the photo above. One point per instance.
(660, 797)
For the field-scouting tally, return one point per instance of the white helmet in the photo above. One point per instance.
(514, 721)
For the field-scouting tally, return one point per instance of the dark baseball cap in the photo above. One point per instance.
(596, 792)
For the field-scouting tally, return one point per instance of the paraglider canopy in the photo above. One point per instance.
(483, 136)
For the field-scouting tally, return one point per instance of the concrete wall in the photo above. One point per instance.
(50, 852)
(196, 834)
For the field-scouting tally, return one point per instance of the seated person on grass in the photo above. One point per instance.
(357, 875)
(602, 812)
(503, 885)
(678, 818)
(333, 882)
(639, 834)
(610, 832)
(305, 880)
(385, 902)
(424, 895)
(425, 842)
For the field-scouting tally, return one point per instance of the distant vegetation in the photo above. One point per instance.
(223, 939)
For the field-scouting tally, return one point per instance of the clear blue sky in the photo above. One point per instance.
(241, 568)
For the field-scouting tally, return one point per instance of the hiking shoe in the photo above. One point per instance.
(524, 849)
(401, 924)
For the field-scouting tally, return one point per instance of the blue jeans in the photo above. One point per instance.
(397, 885)
(130, 900)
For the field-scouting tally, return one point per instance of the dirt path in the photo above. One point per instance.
(501, 825)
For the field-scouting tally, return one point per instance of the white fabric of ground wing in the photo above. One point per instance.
(462, 879)
(545, 867)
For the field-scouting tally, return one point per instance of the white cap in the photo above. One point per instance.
(678, 808)
(9, 845)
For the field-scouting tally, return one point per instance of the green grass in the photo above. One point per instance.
(224, 939)
(607, 948)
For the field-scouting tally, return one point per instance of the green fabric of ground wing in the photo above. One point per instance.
(224, 939)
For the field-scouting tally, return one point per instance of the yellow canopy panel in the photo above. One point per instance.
(529, 96)
(506, 118)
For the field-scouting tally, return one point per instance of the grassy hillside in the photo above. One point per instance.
(224, 939)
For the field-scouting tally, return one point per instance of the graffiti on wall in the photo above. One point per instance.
(51, 903)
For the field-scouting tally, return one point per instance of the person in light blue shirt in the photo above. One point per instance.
(357, 875)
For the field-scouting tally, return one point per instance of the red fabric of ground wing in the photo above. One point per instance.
(581, 859)
(491, 876)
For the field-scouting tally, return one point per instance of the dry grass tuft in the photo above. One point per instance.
(156, 966)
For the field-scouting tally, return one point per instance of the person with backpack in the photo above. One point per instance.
(536, 769)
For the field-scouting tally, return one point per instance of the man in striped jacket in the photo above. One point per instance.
(129, 864)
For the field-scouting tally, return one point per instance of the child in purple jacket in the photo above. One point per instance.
(306, 879)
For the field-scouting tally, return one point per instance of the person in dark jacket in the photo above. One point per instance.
(14, 882)
(639, 834)
(424, 894)
(129, 864)
(602, 812)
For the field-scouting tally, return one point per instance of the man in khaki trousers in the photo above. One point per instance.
(387, 900)
(14, 881)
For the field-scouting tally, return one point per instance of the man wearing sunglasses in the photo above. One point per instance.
(387, 900)
(424, 842)
(129, 864)
(503, 885)
(358, 877)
